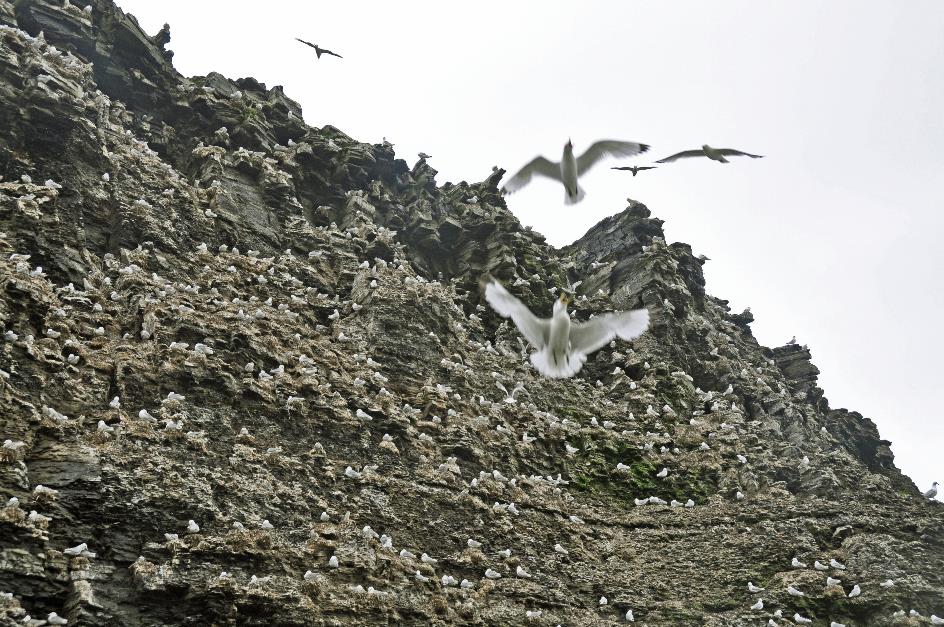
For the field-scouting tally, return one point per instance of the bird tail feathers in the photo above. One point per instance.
(573, 200)
(543, 362)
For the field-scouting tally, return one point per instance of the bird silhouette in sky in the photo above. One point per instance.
(318, 50)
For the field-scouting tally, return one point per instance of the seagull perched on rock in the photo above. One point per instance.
(319, 50)
(562, 346)
(570, 168)
(752, 588)
(930, 494)
(715, 154)
(635, 169)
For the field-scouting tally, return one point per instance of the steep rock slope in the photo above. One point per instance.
(290, 325)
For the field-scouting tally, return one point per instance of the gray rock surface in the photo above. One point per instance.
(349, 281)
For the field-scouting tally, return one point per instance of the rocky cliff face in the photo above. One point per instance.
(212, 312)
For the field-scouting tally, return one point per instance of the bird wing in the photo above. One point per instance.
(534, 329)
(731, 152)
(608, 148)
(307, 43)
(682, 155)
(333, 54)
(538, 165)
(592, 335)
(645, 167)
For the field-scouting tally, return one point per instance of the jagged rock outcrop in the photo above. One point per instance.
(212, 312)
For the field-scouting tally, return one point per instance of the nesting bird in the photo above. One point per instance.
(563, 346)
(570, 168)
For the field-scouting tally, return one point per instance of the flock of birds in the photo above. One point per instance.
(570, 167)
(561, 349)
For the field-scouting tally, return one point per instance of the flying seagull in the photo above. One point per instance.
(319, 51)
(562, 346)
(635, 169)
(715, 154)
(570, 168)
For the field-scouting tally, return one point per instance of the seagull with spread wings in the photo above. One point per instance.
(571, 168)
(715, 154)
(635, 169)
(319, 50)
(563, 346)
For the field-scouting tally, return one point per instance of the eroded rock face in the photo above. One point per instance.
(212, 312)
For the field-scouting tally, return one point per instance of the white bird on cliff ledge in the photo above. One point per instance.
(563, 346)
(930, 494)
(570, 168)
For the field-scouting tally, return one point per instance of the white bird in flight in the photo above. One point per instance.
(715, 154)
(562, 346)
(570, 168)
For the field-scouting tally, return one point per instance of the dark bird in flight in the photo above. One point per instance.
(715, 154)
(634, 168)
(319, 51)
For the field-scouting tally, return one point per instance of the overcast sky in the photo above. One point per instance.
(834, 237)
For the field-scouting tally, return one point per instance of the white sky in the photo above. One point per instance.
(833, 237)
